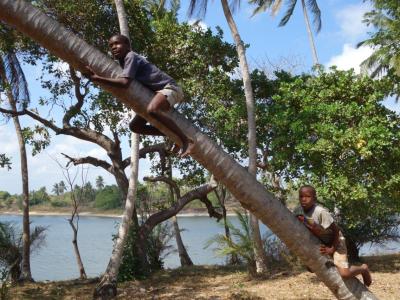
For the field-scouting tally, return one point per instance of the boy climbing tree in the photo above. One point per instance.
(168, 93)
(321, 223)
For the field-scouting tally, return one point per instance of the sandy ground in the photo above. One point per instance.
(217, 283)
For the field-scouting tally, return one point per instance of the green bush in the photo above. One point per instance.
(135, 267)
(4, 195)
(38, 197)
(59, 203)
(108, 198)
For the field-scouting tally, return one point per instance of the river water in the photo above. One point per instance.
(56, 260)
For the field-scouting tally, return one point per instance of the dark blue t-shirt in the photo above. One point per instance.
(137, 67)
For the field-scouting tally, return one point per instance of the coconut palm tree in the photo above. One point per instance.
(201, 6)
(311, 5)
(243, 185)
(16, 88)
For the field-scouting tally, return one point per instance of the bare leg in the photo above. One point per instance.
(138, 125)
(353, 271)
(160, 103)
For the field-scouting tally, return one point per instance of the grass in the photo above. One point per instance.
(220, 282)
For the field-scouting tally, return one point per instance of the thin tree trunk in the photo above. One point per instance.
(183, 255)
(251, 194)
(82, 273)
(108, 283)
(310, 34)
(233, 258)
(26, 274)
(259, 253)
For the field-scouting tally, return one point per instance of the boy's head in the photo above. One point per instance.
(307, 197)
(119, 45)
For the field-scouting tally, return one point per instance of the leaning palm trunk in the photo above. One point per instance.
(259, 254)
(26, 274)
(310, 35)
(108, 283)
(244, 186)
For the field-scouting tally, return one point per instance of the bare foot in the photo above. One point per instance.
(187, 148)
(366, 275)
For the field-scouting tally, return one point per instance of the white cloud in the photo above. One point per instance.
(350, 57)
(8, 141)
(350, 20)
(203, 26)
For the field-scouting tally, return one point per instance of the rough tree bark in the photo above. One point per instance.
(251, 194)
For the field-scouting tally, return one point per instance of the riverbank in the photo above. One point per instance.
(97, 213)
(218, 282)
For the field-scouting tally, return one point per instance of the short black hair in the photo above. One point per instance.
(307, 186)
(123, 38)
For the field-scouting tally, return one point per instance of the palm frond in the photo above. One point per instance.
(312, 5)
(234, 5)
(264, 5)
(16, 78)
(175, 6)
(37, 237)
(288, 13)
(198, 8)
(239, 243)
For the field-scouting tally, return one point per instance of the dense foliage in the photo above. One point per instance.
(331, 130)
(385, 60)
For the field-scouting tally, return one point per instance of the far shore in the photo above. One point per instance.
(97, 214)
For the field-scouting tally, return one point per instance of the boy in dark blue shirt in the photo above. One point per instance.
(168, 93)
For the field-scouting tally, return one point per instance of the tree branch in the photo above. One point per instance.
(165, 214)
(168, 181)
(160, 148)
(12, 112)
(210, 208)
(74, 109)
(89, 160)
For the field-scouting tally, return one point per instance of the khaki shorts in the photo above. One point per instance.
(173, 93)
(340, 255)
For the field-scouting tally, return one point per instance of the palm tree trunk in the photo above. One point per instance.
(310, 35)
(259, 252)
(244, 186)
(108, 283)
(26, 274)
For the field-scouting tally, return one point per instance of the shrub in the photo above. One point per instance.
(108, 198)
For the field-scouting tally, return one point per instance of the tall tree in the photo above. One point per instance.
(56, 189)
(107, 285)
(5, 161)
(251, 120)
(244, 186)
(99, 182)
(311, 5)
(14, 82)
(385, 60)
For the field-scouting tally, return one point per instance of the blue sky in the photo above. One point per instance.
(342, 29)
